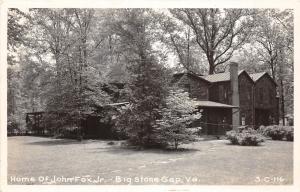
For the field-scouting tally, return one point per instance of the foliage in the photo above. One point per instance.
(59, 59)
(289, 135)
(278, 132)
(247, 137)
(16, 32)
(218, 32)
(271, 49)
(72, 83)
(12, 124)
(179, 113)
(180, 39)
(147, 85)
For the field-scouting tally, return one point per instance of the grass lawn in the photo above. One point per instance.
(38, 160)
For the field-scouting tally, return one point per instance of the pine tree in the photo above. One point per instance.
(147, 83)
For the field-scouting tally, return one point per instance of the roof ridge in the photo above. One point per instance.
(256, 76)
(240, 71)
(258, 73)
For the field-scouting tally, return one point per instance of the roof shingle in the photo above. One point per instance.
(219, 77)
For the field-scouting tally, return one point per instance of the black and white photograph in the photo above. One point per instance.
(150, 96)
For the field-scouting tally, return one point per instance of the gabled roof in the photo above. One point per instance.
(257, 76)
(219, 77)
(213, 104)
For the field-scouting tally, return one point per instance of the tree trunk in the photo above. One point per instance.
(176, 144)
(211, 69)
(282, 102)
(210, 58)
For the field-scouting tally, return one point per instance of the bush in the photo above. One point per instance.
(246, 137)
(277, 132)
(289, 135)
(69, 132)
(12, 125)
(232, 137)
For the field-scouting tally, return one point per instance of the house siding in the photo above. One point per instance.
(265, 97)
(246, 86)
(220, 92)
(197, 88)
(265, 93)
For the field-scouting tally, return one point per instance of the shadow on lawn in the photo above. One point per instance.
(131, 151)
(236, 145)
(56, 142)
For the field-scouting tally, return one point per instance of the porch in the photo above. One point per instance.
(216, 118)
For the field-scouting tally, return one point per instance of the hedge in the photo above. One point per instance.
(278, 132)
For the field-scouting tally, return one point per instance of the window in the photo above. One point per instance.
(222, 93)
(225, 94)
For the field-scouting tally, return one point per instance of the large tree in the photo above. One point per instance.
(179, 39)
(218, 32)
(16, 33)
(62, 41)
(147, 82)
(271, 49)
(275, 37)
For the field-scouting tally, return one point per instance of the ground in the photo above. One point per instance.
(38, 160)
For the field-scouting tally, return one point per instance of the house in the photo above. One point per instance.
(227, 100)
(231, 99)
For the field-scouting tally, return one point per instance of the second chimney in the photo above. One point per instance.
(235, 99)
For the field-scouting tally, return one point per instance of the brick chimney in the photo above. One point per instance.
(235, 98)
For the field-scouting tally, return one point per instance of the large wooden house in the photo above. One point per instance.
(227, 100)
(231, 99)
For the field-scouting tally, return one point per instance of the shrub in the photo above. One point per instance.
(289, 134)
(246, 137)
(277, 132)
(261, 129)
(12, 125)
(232, 137)
(69, 132)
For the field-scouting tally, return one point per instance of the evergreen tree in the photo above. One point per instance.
(147, 83)
(180, 112)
